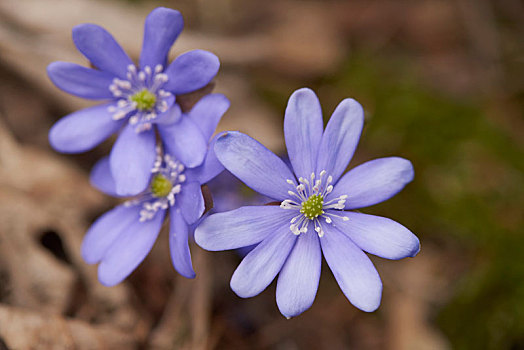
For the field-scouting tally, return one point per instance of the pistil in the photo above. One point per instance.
(160, 186)
(312, 208)
(141, 97)
(166, 183)
(144, 100)
(310, 203)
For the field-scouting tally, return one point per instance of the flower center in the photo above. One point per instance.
(144, 100)
(312, 203)
(141, 97)
(160, 186)
(312, 207)
(166, 184)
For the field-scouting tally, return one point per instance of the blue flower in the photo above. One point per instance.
(121, 238)
(136, 98)
(312, 218)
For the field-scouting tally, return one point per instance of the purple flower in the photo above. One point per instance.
(312, 218)
(121, 238)
(136, 98)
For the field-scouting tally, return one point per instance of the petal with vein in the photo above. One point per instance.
(191, 202)
(241, 227)
(161, 29)
(179, 243)
(132, 159)
(262, 264)
(303, 127)
(374, 181)
(254, 164)
(105, 230)
(207, 112)
(81, 81)
(129, 249)
(101, 49)
(82, 130)
(185, 141)
(191, 71)
(298, 281)
(340, 138)
(101, 177)
(354, 272)
(378, 235)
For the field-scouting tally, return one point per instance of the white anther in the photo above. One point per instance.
(163, 93)
(158, 68)
(161, 78)
(119, 115)
(124, 84)
(133, 120)
(306, 211)
(122, 103)
(143, 127)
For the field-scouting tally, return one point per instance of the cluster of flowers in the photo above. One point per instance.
(163, 156)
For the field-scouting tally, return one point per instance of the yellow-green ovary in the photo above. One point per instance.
(144, 99)
(312, 207)
(160, 186)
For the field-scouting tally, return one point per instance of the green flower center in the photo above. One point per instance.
(312, 208)
(160, 186)
(144, 99)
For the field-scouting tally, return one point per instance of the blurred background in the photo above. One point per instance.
(441, 82)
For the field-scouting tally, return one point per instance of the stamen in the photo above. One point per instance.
(165, 185)
(311, 205)
(140, 97)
